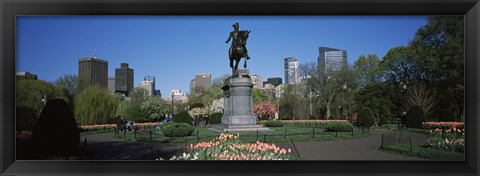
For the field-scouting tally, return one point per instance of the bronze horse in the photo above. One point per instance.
(238, 50)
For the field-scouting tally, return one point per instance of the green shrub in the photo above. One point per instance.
(177, 130)
(445, 116)
(365, 117)
(165, 124)
(338, 127)
(215, 118)
(273, 123)
(183, 117)
(415, 117)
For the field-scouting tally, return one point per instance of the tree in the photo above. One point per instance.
(400, 66)
(368, 70)
(419, 95)
(217, 106)
(259, 96)
(327, 84)
(377, 97)
(290, 103)
(415, 117)
(266, 107)
(29, 94)
(69, 82)
(439, 49)
(131, 110)
(155, 107)
(434, 58)
(365, 117)
(95, 105)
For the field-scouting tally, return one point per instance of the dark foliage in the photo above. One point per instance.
(26, 118)
(415, 117)
(56, 131)
(365, 117)
(445, 116)
(183, 117)
(215, 118)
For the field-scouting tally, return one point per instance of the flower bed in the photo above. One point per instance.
(450, 144)
(113, 126)
(445, 127)
(446, 135)
(228, 147)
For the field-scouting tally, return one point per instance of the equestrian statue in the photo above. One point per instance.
(238, 49)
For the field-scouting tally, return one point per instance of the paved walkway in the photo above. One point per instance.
(105, 147)
(356, 149)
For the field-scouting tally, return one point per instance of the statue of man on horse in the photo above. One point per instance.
(238, 49)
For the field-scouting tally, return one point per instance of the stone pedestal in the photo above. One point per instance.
(238, 106)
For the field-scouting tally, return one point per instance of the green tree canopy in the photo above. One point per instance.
(30, 92)
(376, 96)
(69, 82)
(439, 49)
(368, 70)
(259, 96)
(95, 105)
(155, 107)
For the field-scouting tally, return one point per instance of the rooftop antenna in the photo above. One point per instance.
(94, 53)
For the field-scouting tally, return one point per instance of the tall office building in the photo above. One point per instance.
(111, 84)
(192, 86)
(291, 70)
(93, 71)
(257, 81)
(332, 59)
(148, 84)
(158, 93)
(202, 82)
(124, 79)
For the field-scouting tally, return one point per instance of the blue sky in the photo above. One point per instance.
(175, 48)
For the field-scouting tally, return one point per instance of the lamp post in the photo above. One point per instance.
(339, 111)
(44, 100)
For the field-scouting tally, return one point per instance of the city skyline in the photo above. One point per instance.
(173, 49)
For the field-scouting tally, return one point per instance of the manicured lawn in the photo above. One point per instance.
(428, 153)
(278, 134)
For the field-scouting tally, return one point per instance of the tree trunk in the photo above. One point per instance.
(327, 105)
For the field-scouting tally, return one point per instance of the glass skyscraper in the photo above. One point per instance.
(331, 58)
(291, 70)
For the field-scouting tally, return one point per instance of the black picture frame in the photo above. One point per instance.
(9, 9)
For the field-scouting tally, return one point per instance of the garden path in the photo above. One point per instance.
(357, 149)
(106, 147)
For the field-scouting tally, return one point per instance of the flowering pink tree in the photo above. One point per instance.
(266, 107)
